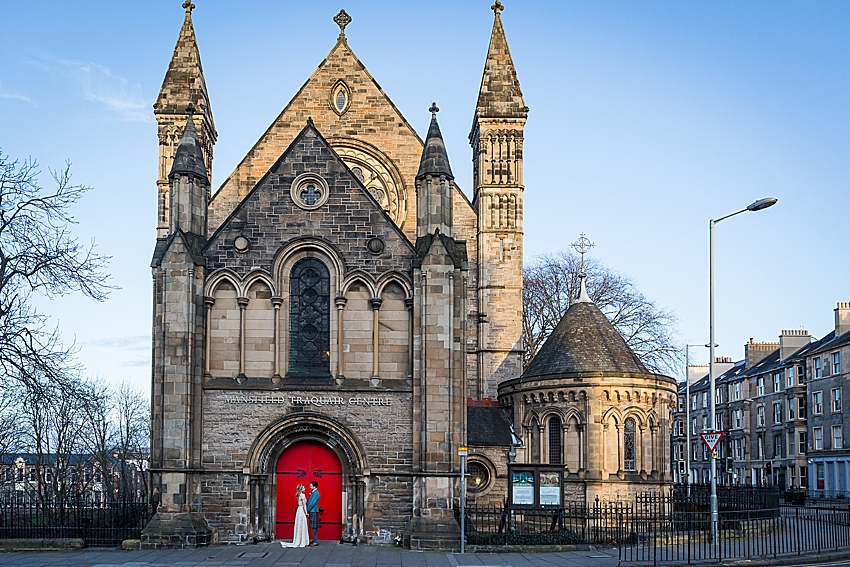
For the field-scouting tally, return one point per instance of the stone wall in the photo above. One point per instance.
(231, 427)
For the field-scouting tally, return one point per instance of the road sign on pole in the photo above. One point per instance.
(711, 439)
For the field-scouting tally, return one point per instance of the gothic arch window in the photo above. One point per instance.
(629, 451)
(309, 320)
(555, 441)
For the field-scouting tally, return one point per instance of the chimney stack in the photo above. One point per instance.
(756, 352)
(792, 341)
(842, 318)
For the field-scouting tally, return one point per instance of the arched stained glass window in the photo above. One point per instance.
(629, 452)
(554, 441)
(309, 320)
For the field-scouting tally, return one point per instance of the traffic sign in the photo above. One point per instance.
(711, 438)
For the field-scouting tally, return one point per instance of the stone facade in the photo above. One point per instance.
(328, 296)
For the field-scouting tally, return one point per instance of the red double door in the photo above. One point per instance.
(300, 464)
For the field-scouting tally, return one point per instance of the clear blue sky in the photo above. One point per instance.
(647, 119)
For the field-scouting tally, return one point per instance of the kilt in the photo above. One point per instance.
(314, 521)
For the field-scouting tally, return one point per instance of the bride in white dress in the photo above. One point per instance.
(300, 536)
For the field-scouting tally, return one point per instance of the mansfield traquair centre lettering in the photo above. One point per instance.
(304, 400)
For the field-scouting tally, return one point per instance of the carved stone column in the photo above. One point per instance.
(208, 303)
(277, 302)
(408, 303)
(340, 318)
(375, 302)
(243, 303)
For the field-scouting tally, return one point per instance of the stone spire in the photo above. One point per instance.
(183, 85)
(500, 94)
(188, 184)
(189, 159)
(434, 183)
(434, 160)
(184, 81)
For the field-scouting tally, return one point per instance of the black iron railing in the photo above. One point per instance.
(98, 524)
(666, 529)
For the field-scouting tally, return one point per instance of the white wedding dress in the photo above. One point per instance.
(301, 535)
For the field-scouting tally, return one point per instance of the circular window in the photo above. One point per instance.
(241, 244)
(309, 191)
(375, 245)
(477, 476)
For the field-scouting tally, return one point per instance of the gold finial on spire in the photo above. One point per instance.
(497, 7)
(434, 110)
(342, 19)
(189, 6)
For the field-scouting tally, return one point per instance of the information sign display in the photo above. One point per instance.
(523, 487)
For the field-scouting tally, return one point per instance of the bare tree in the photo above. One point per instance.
(133, 436)
(54, 421)
(11, 431)
(38, 254)
(551, 284)
(99, 434)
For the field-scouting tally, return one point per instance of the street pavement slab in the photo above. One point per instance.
(327, 554)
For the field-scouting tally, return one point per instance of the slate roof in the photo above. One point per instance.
(435, 160)
(500, 95)
(584, 341)
(189, 157)
(488, 426)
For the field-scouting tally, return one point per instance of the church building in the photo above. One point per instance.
(340, 311)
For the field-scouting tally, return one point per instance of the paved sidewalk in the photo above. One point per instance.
(328, 554)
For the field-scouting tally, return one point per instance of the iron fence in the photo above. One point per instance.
(660, 529)
(98, 524)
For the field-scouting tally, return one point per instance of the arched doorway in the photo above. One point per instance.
(302, 463)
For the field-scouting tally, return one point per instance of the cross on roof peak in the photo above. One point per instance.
(434, 110)
(188, 6)
(497, 7)
(582, 246)
(342, 19)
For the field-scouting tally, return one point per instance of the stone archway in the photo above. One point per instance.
(300, 427)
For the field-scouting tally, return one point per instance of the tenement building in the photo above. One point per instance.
(782, 412)
(339, 311)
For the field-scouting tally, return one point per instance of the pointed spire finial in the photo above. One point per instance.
(189, 6)
(342, 19)
(434, 110)
(497, 7)
(190, 110)
(582, 246)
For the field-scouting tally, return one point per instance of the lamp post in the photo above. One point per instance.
(757, 206)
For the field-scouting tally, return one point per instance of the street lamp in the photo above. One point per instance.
(757, 206)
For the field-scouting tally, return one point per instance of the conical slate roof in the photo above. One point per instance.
(189, 158)
(584, 341)
(500, 94)
(435, 160)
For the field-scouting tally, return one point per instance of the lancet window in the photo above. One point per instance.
(555, 441)
(629, 451)
(309, 321)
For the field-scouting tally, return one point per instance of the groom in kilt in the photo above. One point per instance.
(313, 510)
